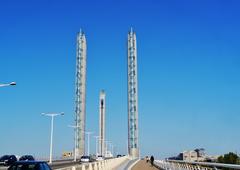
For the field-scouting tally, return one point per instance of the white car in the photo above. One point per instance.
(108, 154)
(85, 159)
(99, 158)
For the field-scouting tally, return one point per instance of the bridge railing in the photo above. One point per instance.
(108, 164)
(186, 165)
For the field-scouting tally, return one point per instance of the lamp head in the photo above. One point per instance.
(13, 83)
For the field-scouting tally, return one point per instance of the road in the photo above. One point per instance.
(55, 165)
(58, 165)
(3, 167)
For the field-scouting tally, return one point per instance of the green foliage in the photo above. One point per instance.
(230, 158)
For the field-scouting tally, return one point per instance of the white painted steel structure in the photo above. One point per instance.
(80, 102)
(133, 148)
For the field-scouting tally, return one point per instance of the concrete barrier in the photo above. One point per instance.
(90, 166)
(108, 164)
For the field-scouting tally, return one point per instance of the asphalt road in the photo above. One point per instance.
(3, 167)
(58, 165)
(54, 165)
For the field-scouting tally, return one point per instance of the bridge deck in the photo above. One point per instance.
(142, 165)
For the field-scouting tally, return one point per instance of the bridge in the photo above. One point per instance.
(128, 163)
(131, 161)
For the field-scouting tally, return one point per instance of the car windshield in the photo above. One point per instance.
(4, 157)
(85, 157)
(29, 157)
(25, 167)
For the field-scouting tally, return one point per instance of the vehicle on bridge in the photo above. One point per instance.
(118, 156)
(7, 160)
(99, 158)
(85, 159)
(26, 158)
(108, 155)
(29, 165)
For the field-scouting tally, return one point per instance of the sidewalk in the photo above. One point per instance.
(142, 165)
(126, 164)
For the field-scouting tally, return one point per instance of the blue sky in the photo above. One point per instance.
(188, 64)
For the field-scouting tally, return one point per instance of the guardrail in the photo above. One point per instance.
(186, 165)
(108, 164)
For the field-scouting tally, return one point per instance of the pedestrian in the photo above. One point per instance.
(152, 160)
(147, 159)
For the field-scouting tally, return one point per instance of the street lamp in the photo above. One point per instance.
(106, 146)
(97, 139)
(52, 115)
(101, 146)
(112, 148)
(88, 134)
(75, 141)
(8, 84)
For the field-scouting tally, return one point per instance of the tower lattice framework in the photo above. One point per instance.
(80, 110)
(133, 147)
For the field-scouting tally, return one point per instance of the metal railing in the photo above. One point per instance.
(186, 165)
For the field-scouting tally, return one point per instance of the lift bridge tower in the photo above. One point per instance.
(102, 112)
(80, 100)
(133, 148)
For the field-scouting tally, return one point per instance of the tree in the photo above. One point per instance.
(220, 159)
(230, 158)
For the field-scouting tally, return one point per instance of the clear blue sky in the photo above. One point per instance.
(189, 67)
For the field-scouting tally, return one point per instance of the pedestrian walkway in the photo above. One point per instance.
(142, 165)
(127, 164)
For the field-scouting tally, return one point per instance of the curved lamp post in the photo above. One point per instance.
(8, 84)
